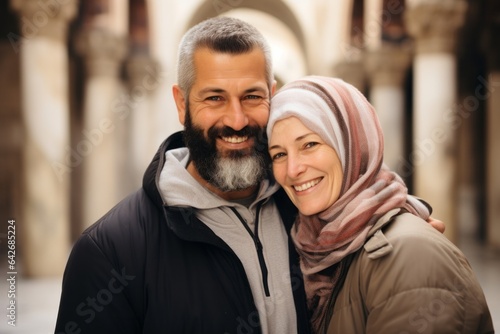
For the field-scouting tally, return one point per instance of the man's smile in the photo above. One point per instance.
(235, 139)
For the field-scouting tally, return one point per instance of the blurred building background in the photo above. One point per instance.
(85, 100)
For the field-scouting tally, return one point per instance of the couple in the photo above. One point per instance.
(209, 243)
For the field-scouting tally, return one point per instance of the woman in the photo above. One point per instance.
(370, 261)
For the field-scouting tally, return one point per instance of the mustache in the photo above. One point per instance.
(250, 131)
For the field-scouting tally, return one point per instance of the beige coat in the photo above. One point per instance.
(409, 278)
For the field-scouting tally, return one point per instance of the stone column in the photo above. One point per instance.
(44, 226)
(353, 72)
(372, 24)
(105, 109)
(387, 68)
(491, 91)
(470, 167)
(143, 79)
(434, 26)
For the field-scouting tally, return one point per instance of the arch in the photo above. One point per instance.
(278, 9)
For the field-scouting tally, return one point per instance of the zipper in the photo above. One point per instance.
(258, 245)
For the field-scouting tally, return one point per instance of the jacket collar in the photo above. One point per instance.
(151, 179)
(377, 245)
(152, 174)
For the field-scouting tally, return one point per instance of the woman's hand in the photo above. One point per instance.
(437, 224)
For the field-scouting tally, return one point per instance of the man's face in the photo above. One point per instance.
(225, 116)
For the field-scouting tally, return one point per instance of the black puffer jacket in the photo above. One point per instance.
(146, 268)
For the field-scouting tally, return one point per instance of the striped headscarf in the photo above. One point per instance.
(346, 121)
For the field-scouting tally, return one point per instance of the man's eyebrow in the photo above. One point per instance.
(218, 90)
(256, 89)
(211, 90)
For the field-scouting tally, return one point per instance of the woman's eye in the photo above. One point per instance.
(277, 156)
(310, 144)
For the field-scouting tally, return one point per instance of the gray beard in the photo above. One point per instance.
(237, 170)
(241, 173)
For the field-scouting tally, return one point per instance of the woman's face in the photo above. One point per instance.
(305, 166)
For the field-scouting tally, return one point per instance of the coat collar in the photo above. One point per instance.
(377, 245)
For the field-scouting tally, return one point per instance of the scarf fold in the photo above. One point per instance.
(341, 116)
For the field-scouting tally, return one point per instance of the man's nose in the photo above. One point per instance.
(235, 116)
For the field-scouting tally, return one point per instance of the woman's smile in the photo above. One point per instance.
(307, 185)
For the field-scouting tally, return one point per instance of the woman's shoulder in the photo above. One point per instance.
(405, 223)
(418, 261)
(407, 229)
(416, 268)
(412, 278)
(404, 236)
(410, 243)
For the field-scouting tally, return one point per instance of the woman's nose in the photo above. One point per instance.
(296, 166)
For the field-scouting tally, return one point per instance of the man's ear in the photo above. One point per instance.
(273, 88)
(180, 102)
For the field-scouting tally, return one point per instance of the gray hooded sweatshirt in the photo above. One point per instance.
(276, 310)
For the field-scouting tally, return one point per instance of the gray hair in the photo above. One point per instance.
(220, 34)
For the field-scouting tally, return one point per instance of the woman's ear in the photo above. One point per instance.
(180, 102)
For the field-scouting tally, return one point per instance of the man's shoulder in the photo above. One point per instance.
(127, 223)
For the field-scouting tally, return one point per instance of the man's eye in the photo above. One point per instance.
(252, 100)
(214, 98)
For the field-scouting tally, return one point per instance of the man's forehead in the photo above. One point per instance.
(219, 72)
(252, 62)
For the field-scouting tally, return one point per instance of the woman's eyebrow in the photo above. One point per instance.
(299, 138)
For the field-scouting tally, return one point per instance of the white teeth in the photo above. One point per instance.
(306, 185)
(235, 140)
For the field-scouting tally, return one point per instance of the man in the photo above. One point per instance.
(203, 247)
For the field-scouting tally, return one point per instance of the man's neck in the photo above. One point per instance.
(227, 195)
